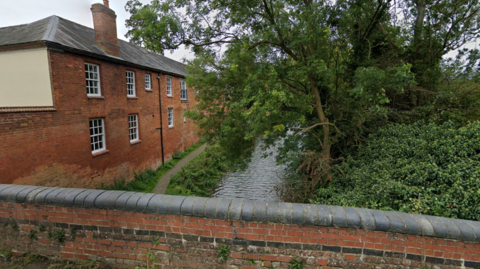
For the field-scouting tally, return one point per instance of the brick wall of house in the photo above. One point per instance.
(52, 148)
(181, 135)
(126, 229)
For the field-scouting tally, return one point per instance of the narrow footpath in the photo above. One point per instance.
(163, 182)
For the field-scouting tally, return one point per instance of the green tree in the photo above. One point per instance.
(332, 71)
(285, 63)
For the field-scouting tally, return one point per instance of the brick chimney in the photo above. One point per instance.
(105, 26)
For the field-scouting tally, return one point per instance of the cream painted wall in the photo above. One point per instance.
(25, 78)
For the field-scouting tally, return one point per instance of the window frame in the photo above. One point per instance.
(170, 117)
(135, 128)
(87, 79)
(169, 86)
(184, 115)
(148, 87)
(183, 90)
(132, 83)
(101, 135)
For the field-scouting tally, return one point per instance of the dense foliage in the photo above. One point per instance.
(201, 175)
(323, 75)
(420, 168)
(335, 70)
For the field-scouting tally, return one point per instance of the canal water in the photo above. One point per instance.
(258, 181)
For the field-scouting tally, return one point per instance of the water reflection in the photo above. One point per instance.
(257, 182)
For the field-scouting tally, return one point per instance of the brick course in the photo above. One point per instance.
(190, 238)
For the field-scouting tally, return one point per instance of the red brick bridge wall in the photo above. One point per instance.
(126, 229)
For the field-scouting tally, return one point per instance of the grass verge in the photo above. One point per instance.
(200, 176)
(147, 180)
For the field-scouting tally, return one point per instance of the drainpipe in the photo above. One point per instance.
(161, 121)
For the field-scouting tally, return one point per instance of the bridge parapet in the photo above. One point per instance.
(120, 228)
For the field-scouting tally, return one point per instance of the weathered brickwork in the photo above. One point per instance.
(52, 148)
(125, 229)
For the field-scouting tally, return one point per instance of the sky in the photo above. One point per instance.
(14, 12)
(26, 11)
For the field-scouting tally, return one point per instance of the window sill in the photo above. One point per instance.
(148, 90)
(96, 97)
(132, 97)
(170, 127)
(96, 154)
(170, 96)
(135, 142)
(184, 100)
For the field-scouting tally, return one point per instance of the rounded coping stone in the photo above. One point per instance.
(382, 223)
(260, 211)
(235, 209)
(174, 205)
(154, 203)
(70, 199)
(164, 204)
(121, 202)
(41, 196)
(273, 211)
(311, 215)
(12, 197)
(424, 224)
(285, 213)
(198, 209)
(324, 215)
(89, 201)
(131, 204)
(143, 202)
(396, 222)
(5, 186)
(31, 197)
(222, 209)
(108, 199)
(50, 197)
(22, 195)
(367, 221)
(339, 218)
(353, 218)
(411, 225)
(187, 206)
(211, 207)
(298, 214)
(247, 210)
(60, 197)
(8, 191)
(439, 227)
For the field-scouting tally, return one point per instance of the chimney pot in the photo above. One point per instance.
(105, 3)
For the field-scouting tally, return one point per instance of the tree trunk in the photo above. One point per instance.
(418, 27)
(326, 143)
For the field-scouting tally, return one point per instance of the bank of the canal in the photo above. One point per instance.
(257, 181)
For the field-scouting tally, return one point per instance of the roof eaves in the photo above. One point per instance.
(107, 57)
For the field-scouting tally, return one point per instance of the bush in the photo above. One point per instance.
(421, 168)
(201, 175)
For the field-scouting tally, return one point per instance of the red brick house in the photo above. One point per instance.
(78, 107)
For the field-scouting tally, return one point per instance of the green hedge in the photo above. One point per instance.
(420, 168)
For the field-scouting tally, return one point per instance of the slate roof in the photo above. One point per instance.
(57, 30)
